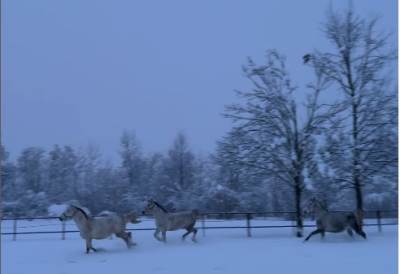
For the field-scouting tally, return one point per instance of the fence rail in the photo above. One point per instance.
(377, 215)
(253, 213)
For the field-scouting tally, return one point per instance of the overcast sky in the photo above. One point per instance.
(78, 72)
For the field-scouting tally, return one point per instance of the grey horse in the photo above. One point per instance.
(100, 227)
(166, 221)
(332, 221)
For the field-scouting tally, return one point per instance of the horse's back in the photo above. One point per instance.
(178, 220)
(104, 226)
(335, 221)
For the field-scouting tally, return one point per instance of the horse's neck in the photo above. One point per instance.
(159, 213)
(319, 211)
(81, 221)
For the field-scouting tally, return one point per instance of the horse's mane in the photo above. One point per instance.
(321, 204)
(82, 211)
(160, 206)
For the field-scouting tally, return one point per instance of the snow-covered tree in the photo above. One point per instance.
(276, 141)
(359, 146)
(239, 180)
(132, 168)
(8, 177)
(30, 166)
(178, 173)
(89, 161)
(62, 174)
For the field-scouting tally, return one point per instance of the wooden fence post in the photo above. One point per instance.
(203, 224)
(248, 225)
(63, 230)
(15, 230)
(378, 217)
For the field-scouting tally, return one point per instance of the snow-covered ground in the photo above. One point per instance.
(219, 251)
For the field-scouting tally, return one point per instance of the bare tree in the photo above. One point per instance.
(359, 66)
(274, 139)
(227, 157)
(242, 180)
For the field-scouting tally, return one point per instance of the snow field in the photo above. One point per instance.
(220, 251)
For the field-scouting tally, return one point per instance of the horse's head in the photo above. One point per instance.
(131, 217)
(309, 207)
(312, 206)
(71, 211)
(68, 213)
(149, 207)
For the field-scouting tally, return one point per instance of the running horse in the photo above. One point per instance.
(333, 221)
(167, 221)
(100, 227)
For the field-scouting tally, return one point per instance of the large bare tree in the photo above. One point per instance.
(359, 65)
(276, 137)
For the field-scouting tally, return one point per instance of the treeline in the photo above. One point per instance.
(177, 179)
(338, 144)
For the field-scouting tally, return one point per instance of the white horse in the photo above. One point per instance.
(166, 221)
(333, 221)
(100, 227)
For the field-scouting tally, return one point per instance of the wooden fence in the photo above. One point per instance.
(246, 217)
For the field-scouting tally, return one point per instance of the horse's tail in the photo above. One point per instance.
(130, 217)
(354, 222)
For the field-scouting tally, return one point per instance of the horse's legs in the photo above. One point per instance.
(322, 234)
(89, 246)
(350, 232)
(189, 230)
(187, 233)
(358, 230)
(313, 233)
(126, 237)
(156, 234)
(194, 234)
(130, 238)
(361, 233)
(164, 236)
